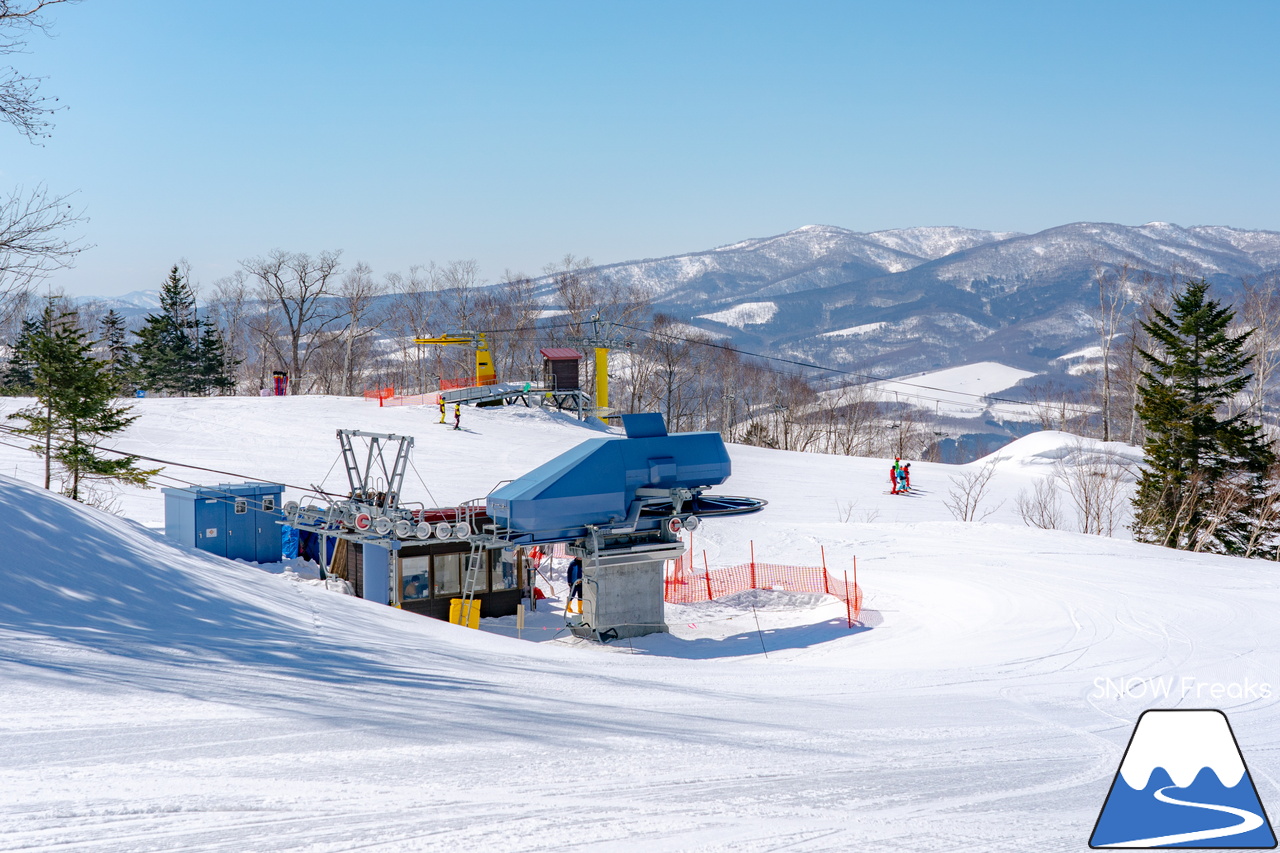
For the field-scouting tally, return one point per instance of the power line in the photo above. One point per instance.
(13, 432)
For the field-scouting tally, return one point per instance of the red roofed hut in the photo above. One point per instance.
(560, 368)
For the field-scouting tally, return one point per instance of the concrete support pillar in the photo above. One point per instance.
(622, 592)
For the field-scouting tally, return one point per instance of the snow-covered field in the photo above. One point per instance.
(863, 329)
(746, 314)
(966, 385)
(162, 699)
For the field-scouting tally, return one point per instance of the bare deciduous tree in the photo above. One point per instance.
(968, 491)
(297, 288)
(21, 104)
(1260, 311)
(1040, 506)
(1096, 482)
(33, 241)
(231, 309)
(509, 311)
(358, 296)
(1114, 296)
(32, 223)
(410, 315)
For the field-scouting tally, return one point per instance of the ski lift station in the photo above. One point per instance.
(618, 503)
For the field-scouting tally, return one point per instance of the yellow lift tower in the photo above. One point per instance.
(485, 374)
(603, 340)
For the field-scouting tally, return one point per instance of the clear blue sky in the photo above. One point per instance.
(513, 133)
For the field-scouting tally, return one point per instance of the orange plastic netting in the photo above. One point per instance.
(684, 586)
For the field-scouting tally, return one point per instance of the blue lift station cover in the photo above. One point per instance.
(595, 482)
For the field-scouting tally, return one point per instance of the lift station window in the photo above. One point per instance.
(447, 569)
(505, 574)
(242, 506)
(269, 503)
(415, 578)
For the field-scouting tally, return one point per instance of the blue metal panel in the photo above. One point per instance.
(644, 425)
(211, 524)
(595, 482)
(377, 573)
(242, 528)
(270, 549)
(180, 516)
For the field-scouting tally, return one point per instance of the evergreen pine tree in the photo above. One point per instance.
(1205, 479)
(216, 367)
(119, 357)
(75, 407)
(166, 353)
(17, 378)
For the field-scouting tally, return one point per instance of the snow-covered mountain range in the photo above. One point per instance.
(914, 299)
(909, 300)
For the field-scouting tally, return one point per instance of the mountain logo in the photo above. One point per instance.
(1183, 783)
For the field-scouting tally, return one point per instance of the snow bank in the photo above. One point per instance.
(1047, 448)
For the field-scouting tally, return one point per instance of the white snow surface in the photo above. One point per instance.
(746, 314)
(158, 698)
(965, 386)
(863, 329)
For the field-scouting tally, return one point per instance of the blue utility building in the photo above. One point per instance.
(237, 521)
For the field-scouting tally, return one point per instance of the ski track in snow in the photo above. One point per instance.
(297, 719)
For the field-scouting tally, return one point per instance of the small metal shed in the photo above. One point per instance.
(560, 368)
(237, 521)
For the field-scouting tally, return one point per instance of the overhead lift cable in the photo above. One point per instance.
(311, 489)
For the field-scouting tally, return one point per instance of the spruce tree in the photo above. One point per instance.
(216, 367)
(75, 408)
(17, 378)
(119, 356)
(166, 353)
(1204, 483)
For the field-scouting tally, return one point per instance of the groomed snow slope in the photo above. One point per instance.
(161, 699)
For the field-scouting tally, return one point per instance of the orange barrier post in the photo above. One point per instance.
(826, 579)
(753, 564)
(706, 574)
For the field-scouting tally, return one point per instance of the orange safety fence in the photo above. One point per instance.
(412, 400)
(683, 586)
(380, 394)
(465, 382)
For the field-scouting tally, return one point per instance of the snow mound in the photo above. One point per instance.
(78, 578)
(1051, 447)
(83, 576)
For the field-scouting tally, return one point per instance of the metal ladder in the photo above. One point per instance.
(475, 563)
